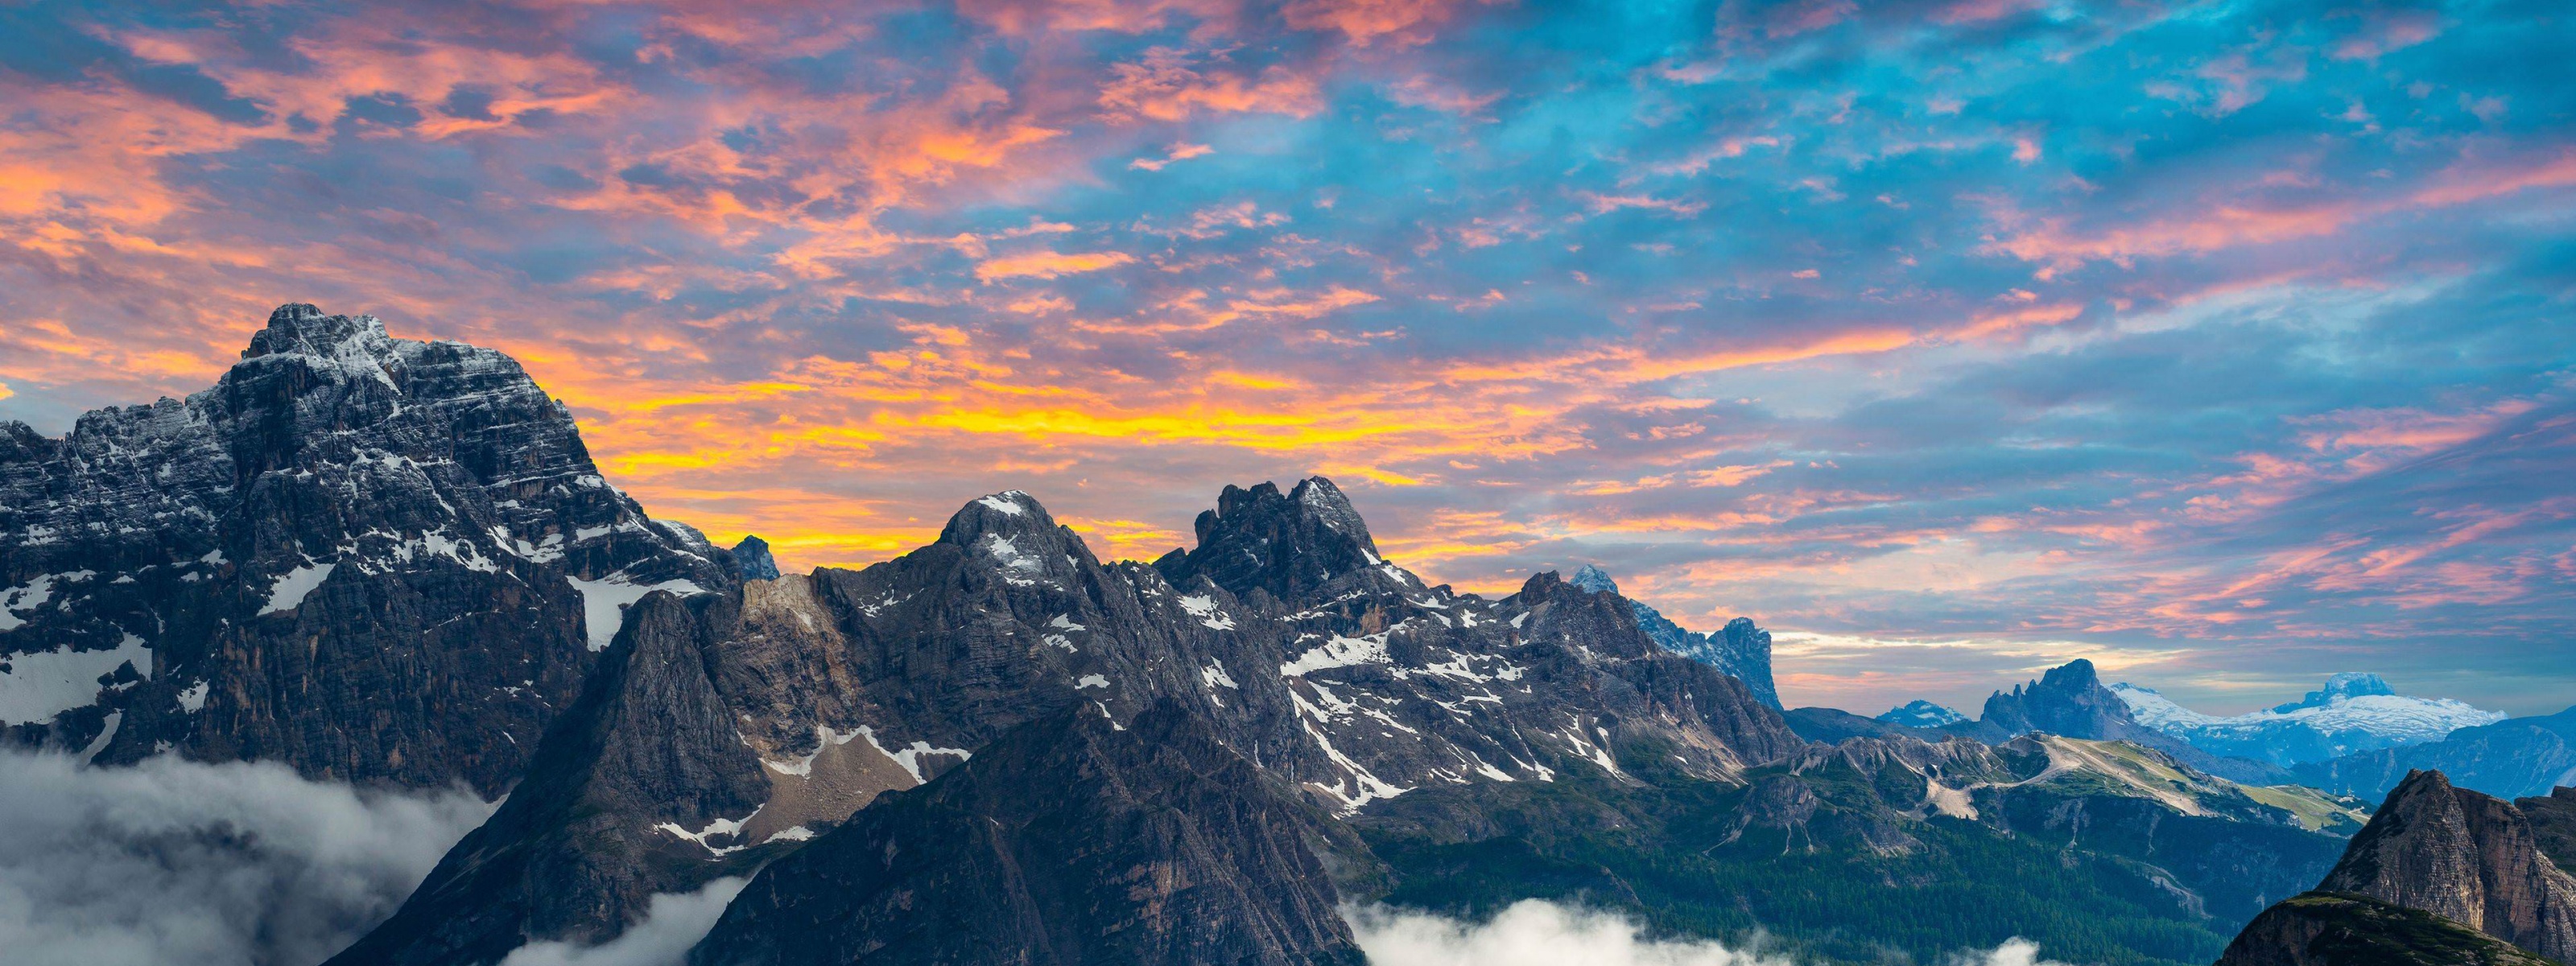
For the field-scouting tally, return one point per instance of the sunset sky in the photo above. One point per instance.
(2228, 344)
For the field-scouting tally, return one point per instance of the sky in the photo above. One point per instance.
(2226, 344)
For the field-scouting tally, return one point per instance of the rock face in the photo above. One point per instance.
(752, 558)
(1740, 649)
(1070, 840)
(832, 688)
(2553, 824)
(2464, 856)
(2508, 759)
(2351, 713)
(2341, 929)
(369, 558)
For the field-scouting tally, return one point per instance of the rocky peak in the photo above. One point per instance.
(1015, 536)
(301, 329)
(2464, 856)
(2071, 677)
(370, 558)
(2066, 700)
(1285, 544)
(751, 556)
(1594, 579)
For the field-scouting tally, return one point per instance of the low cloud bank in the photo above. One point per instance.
(1535, 932)
(179, 862)
(674, 923)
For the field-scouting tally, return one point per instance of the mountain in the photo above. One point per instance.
(2070, 700)
(373, 559)
(2341, 929)
(1071, 839)
(392, 562)
(2455, 855)
(2352, 713)
(2509, 759)
(2464, 856)
(751, 556)
(1740, 649)
(1919, 713)
(726, 728)
(1880, 849)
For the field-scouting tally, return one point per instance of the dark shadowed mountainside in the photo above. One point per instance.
(1071, 840)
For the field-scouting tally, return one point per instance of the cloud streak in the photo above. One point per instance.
(1535, 932)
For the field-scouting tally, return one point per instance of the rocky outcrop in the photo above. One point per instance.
(2553, 824)
(2509, 759)
(2467, 857)
(1740, 649)
(751, 557)
(369, 558)
(2342, 929)
(1071, 840)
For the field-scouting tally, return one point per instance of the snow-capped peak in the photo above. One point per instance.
(2353, 712)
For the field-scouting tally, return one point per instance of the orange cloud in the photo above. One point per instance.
(1047, 264)
(1168, 85)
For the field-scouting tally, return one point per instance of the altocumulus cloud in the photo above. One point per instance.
(180, 862)
(1535, 932)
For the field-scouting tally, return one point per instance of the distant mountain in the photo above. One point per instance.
(1919, 713)
(1833, 726)
(2510, 758)
(2459, 856)
(1740, 649)
(1070, 840)
(372, 559)
(2352, 713)
(2070, 700)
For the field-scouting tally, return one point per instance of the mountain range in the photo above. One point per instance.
(393, 563)
(1739, 648)
(2353, 713)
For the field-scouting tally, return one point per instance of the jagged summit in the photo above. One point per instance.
(1740, 648)
(752, 557)
(1008, 513)
(1284, 544)
(371, 558)
(1594, 579)
(304, 329)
